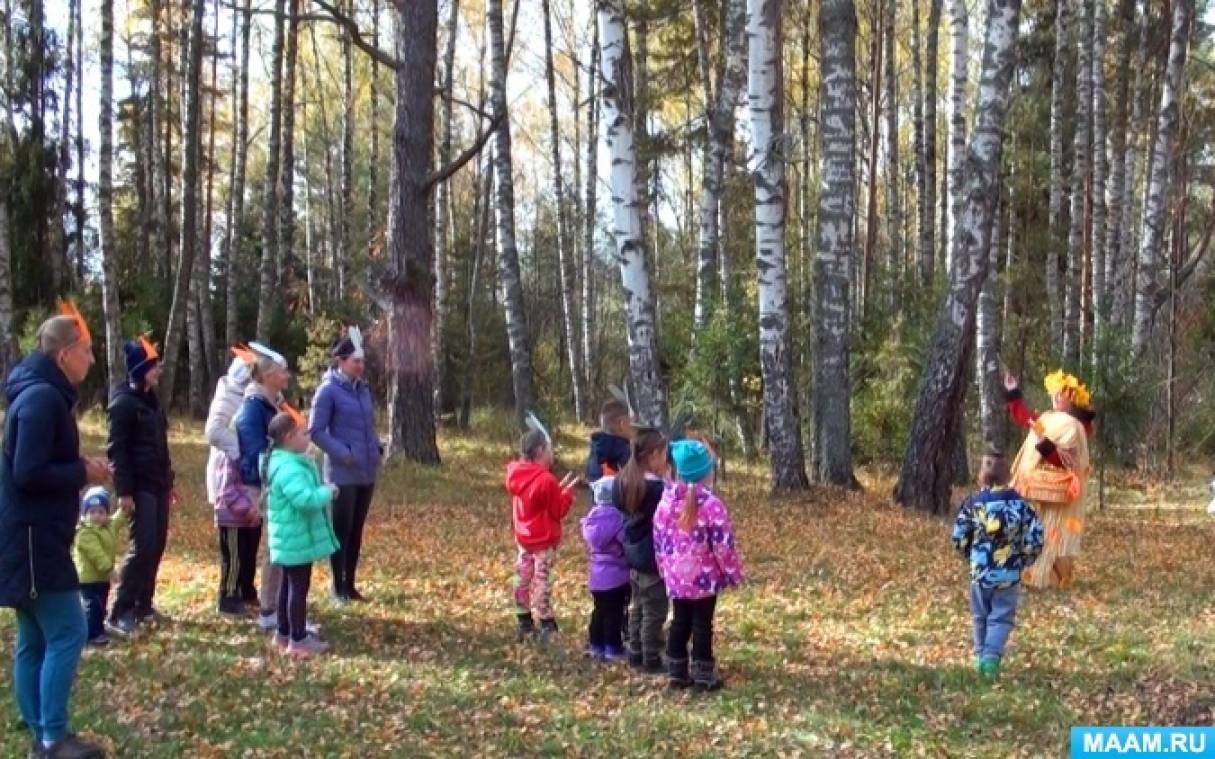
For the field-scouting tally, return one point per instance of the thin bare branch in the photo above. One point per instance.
(356, 35)
(473, 150)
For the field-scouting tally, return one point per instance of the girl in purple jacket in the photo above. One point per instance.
(603, 531)
(697, 558)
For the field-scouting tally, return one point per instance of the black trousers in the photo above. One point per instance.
(149, 536)
(694, 620)
(349, 517)
(95, 596)
(293, 601)
(238, 563)
(608, 617)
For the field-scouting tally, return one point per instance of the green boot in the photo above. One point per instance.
(989, 667)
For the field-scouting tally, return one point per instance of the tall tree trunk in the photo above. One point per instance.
(105, 200)
(917, 96)
(590, 209)
(720, 115)
(484, 201)
(410, 242)
(214, 355)
(189, 204)
(616, 80)
(928, 200)
(59, 247)
(286, 167)
(959, 58)
(1151, 246)
(833, 262)
(345, 242)
(640, 68)
(268, 293)
(1100, 172)
(877, 29)
(1058, 173)
(233, 234)
(765, 96)
(1123, 280)
(510, 280)
(925, 479)
(443, 214)
(8, 345)
(894, 209)
(1116, 188)
(165, 174)
(565, 252)
(988, 334)
(373, 128)
(78, 207)
(1080, 175)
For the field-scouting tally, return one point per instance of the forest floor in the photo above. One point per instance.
(851, 638)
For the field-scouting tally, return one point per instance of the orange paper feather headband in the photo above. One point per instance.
(68, 308)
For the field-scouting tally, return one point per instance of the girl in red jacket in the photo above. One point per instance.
(539, 503)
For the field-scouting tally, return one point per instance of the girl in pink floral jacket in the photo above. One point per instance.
(697, 558)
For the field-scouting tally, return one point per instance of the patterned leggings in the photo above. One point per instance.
(534, 578)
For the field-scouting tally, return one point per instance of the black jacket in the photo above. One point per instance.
(607, 450)
(41, 475)
(139, 443)
(639, 528)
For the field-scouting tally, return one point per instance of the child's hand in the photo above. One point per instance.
(127, 504)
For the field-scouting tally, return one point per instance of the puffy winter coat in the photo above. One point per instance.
(538, 505)
(297, 511)
(602, 529)
(41, 475)
(639, 527)
(342, 424)
(139, 443)
(252, 427)
(221, 433)
(95, 548)
(700, 562)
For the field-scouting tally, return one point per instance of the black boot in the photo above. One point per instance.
(651, 664)
(527, 628)
(636, 660)
(548, 630)
(677, 672)
(705, 677)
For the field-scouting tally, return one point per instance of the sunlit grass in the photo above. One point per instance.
(851, 637)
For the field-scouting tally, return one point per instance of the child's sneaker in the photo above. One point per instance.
(99, 641)
(307, 648)
(677, 674)
(123, 627)
(267, 620)
(594, 652)
(705, 677)
(548, 630)
(527, 628)
(613, 653)
(989, 667)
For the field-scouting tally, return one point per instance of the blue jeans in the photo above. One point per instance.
(995, 613)
(50, 637)
(96, 595)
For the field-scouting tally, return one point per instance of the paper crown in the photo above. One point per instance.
(68, 308)
(1068, 384)
(149, 350)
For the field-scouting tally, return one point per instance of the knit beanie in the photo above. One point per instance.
(139, 363)
(95, 496)
(692, 460)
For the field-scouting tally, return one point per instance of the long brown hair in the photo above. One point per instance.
(646, 443)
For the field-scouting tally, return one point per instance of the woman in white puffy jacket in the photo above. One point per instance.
(235, 516)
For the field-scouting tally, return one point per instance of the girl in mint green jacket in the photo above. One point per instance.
(301, 532)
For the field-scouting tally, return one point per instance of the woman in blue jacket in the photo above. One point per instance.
(342, 424)
(41, 475)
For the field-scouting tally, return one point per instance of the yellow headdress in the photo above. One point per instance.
(1068, 384)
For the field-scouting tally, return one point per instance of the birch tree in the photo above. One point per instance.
(1100, 172)
(1151, 246)
(236, 193)
(928, 200)
(1058, 173)
(617, 103)
(1123, 284)
(1080, 175)
(765, 94)
(925, 479)
(894, 210)
(988, 334)
(833, 261)
(592, 187)
(443, 215)
(270, 227)
(105, 199)
(959, 46)
(1115, 189)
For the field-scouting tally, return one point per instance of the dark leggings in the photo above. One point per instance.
(692, 619)
(149, 534)
(349, 516)
(238, 563)
(293, 601)
(607, 619)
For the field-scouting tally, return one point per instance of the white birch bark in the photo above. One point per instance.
(1151, 246)
(1116, 187)
(959, 59)
(617, 103)
(590, 208)
(1058, 173)
(928, 201)
(765, 93)
(236, 206)
(894, 210)
(105, 200)
(442, 211)
(1081, 156)
(1123, 284)
(1100, 173)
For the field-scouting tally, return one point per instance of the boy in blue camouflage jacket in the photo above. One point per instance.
(1000, 534)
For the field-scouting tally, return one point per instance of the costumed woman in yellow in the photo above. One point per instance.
(1051, 470)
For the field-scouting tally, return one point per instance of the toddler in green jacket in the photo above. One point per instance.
(93, 551)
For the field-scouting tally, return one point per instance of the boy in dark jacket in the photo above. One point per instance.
(539, 503)
(143, 480)
(1000, 534)
(610, 445)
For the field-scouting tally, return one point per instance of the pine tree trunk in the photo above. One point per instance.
(59, 246)
(373, 128)
(928, 200)
(565, 252)
(925, 479)
(894, 209)
(443, 215)
(79, 209)
(286, 167)
(345, 241)
(871, 215)
(267, 295)
(233, 236)
(1058, 173)
(616, 80)
(765, 95)
(959, 58)
(1100, 173)
(105, 200)
(189, 205)
(1152, 241)
(509, 278)
(833, 262)
(410, 241)
(1081, 156)
(590, 209)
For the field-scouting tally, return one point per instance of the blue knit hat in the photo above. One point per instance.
(95, 496)
(692, 460)
(139, 362)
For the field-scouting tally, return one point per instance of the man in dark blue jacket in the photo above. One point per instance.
(41, 475)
